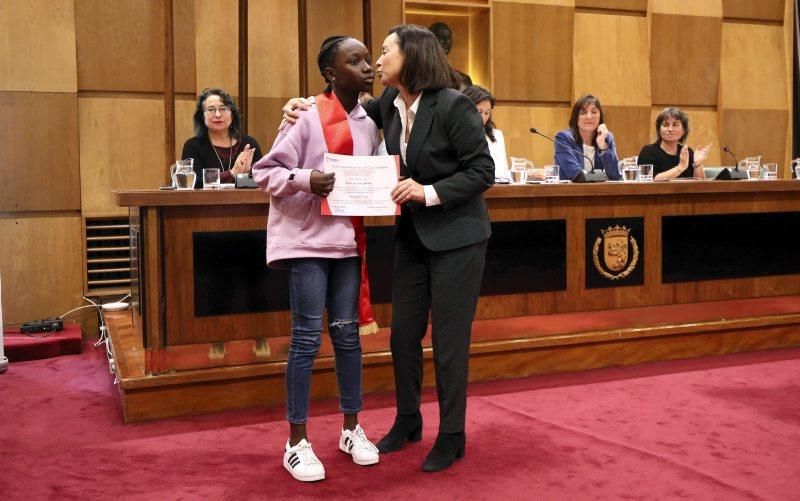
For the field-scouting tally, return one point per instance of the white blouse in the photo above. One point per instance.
(497, 149)
(588, 150)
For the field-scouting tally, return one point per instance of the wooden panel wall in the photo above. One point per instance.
(183, 23)
(535, 63)
(136, 129)
(184, 125)
(273, 57)
(31, 61)
(762, 10)
(620, 5)
(678, 31)
(726, 62)
(754, 109)
(39, 141)
(613, 65)
(40, 255)
(41, 264)
(385, 15)
(217, 44)
(120, 45)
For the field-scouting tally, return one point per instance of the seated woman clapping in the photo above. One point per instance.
(670, 157)
(217, 142)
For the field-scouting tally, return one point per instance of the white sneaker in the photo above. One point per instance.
(358, 445)
(302, 463)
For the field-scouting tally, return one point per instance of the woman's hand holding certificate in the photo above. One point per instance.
(363, 185)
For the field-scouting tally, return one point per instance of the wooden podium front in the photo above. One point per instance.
(206, 307)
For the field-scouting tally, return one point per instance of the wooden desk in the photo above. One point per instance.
(166, 225)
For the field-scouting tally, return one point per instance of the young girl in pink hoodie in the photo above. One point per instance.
(320, 252)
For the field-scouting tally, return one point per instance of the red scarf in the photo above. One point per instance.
(339, 141)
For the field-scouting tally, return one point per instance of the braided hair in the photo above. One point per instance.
(326, 55)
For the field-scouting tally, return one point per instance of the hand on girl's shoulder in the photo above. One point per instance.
(301, 124)
(285, 124)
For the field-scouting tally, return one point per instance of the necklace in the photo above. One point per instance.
(677, 149)
(230, 155)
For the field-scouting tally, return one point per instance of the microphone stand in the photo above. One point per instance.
(731, 174)
(588, 177)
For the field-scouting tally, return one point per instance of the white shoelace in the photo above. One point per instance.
(306, 454)
(361, 441)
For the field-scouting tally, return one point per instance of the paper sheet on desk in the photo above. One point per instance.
(363, 185)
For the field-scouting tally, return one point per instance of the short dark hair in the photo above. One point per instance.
(200, 129)
(478, 94)
(580, 104)
(677, 114)
(425, 64)
(437, 25)
(327, 54)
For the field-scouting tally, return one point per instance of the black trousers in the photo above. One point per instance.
(447, 285)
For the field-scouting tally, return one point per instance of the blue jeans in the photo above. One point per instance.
(313, 283)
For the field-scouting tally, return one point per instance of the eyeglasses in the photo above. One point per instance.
(213, 111)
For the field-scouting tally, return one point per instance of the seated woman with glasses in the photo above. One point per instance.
(217, 142)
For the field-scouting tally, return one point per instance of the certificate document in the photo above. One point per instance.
(363, 185)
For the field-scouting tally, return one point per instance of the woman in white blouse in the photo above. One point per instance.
(485, 102)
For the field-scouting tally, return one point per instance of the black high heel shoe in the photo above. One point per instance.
(405, 428)
(448, 448)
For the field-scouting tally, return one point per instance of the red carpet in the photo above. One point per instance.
(717, 428)
(21, 347)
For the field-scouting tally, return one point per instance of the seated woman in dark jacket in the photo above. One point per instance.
(670, 157)
(217, 142)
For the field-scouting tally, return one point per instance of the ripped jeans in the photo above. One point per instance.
(313, 284)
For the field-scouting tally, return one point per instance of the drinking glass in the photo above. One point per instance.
(769, 172)
(210, 179)
(533, 173)
(551, 174)
(646, 173)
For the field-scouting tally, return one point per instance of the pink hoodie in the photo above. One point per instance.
(295, 227)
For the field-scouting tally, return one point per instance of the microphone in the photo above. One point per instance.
(726, 174)
(735, 160)
(589, 177)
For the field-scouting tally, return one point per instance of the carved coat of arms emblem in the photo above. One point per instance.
(617, 261)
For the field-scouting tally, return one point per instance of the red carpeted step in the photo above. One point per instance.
(21, 347)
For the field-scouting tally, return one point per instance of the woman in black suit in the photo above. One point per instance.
(441, 234)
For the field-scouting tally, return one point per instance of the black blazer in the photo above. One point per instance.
(447, 149)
